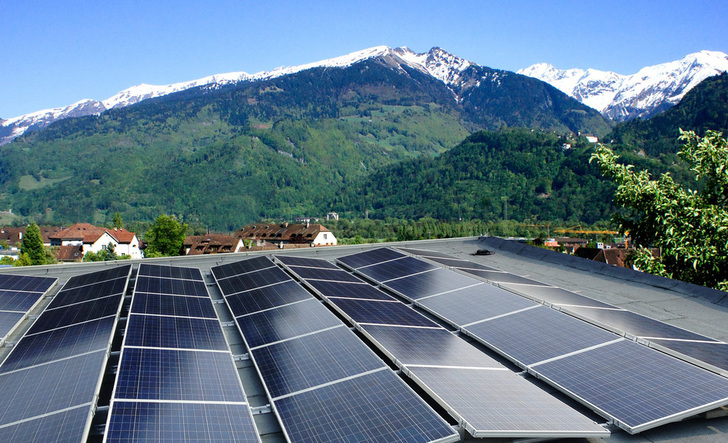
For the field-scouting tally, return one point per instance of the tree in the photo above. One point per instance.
(33, 245)
(690, 227)
(165, 237)
(118, 222)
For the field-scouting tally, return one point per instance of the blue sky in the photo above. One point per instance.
(56, 53)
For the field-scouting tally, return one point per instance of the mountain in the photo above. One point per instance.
(641, 95)
(458, 74)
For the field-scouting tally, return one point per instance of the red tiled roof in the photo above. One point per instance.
(90, 233)
(70, 253)
(211, 244)
(285, 232)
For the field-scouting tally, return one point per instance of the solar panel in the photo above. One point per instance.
(381, 312)
(348, 290)
(460, 264)
(313, 360)
(120, 271)
(8, 321)
(161, 285)
(713, 353)
(475, 303)
(503, 277)
(538, 334)
(430, 283)
(18, 295)
(252, 280)
(59, 427)
(174, 272)
(396, 269)
(424, 346)
(267, 297)
(554, 296)
(425, 253)
(373, 407)
(25, 283)
(303, 261)
(323, 274)
(174, 332)
(650, 390)
(369, 257)
(286, 322)
(80, 312)
(79, 294)
(18, 301)
(240, 267)
(180, 422)
(501, 404)
(177, 305)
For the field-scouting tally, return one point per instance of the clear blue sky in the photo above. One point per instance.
(55, 53)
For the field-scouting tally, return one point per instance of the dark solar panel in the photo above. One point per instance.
(8, 320)
(252, 280)
(121, 271)
(423, 346)
(241, 267)
(430, 283)
(639, 387)
(60, 427)
(461, 264)
(381, 312)
(474, 303)
(60, 343)
(499, 403)
(180, 422)
(374, 407)
(503, 277)
(174, 272)
(369, 257)
(25, 283)
(395, 269)
(177, 305)
(80, 312)
(161, 285)
(425, 253)
(168, 374)
(174, 332)
(18, 301)
(348, 290)
(313, 360)
(304, 261)
(324, 274)
(715, 354)
(286, 322)
(265, 298)
(79, 294)
(538, 334)
(554, 296)
(50, 387)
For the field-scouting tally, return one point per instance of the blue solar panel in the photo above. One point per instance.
(18, 301)
(381, 312)
(426, 253)
(396, 268)
(473, 304)
(313, 360)
(80, 312)
(286, 322)
(174, 272)
(179, 422)
(50, 387)
(59, 427)
(78, 294)
(538, 334)
(252, 280)
(241, 267)
(160, 285)
(348, 290)
(177, 305)
(555, 296)
(369, 257)
(503, 277)
(713, 353)
(174, 332)
(374, 407)
(422, 346)
(167, 374)
(8, 320)
(460, 264)
(323, 274)
(93, 278)
(430, 283)
(60, 343)
(304, 261)
(267, 297)
(638, 386)
(25, 283)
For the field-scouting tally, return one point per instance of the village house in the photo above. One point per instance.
(82, 238)
(212, 244)
(280, 235)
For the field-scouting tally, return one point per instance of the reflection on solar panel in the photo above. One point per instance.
(325, 384)
(554, 296)
(607, 373)
(370, 257)
(325, 274)
(50, 379)
(176, 380)
(476, 390)
(395, 269)
(502, 277)
(303, 261)
(460, 264)
(430, 283)
(381, 312)
(18, 295)
(348, 290)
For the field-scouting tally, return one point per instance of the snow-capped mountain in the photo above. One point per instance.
(438, 63)
(623, 97)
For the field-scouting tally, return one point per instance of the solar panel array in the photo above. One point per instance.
(18, 295)
(470, 385)
(579, 358)
(50, 380)
(177, 380)
(324, 383)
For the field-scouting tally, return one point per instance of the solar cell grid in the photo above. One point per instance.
(323, 274)
(396, 269)
(173, 272)
(78, 294)
(175, 305)
(503, 277)
(18, 301)
(425, 253)
(25, 283)
(8, 320)
(267, 297)
(653, 388)
(313, 360)
(59, 427)
(554, 295)
(161, 285)
(241, 267)
(370, 257)
(305, 261)
(286, 322)
(174, 332)
(121, 271)
(473, 304)
(169, 374)
(180, 422)
(430, 283)
(252, 280)
(60, 343)
(714, 354)
(348, 290)
(461, 264)
(381, 312)
(80, 312)
(421, 346)
(374, 407)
